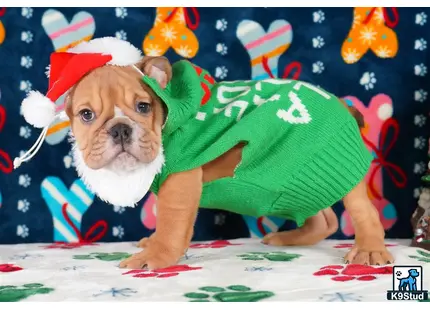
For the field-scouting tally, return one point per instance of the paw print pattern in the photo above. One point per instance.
(270, 256)
(107, 257)
(121, 13)
(221, 72)
(121, 34)
(22, 231)
(219, 219)
(420, 44)
(9, 268)
(420, 70)
(318, 67)
(221, 48)
(422, 256)
(318, 16)
(417, 192)
(421, 19)
(368, 80)
(24, 180)
(353, 272)
(11, 293)
(419, 168)
(27, 36)
(25, 132)
(350, 245)
(68, 160)
(420, 95)
(23, 205)
(232, 293)
(221, 24)
(25, 86)
(213, 245)
(118, 209)
(27, 12)
(420, 120)
(318, 42)
(161, 273)
(26, 62)
(118, 231)
(419, 143)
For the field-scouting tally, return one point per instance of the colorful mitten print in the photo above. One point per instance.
(5, 161)
(371, 28)
(379, 134)
(264, 48)
(259, 227)
(2, 29)
(172, 28)
(67, 209)
(65, 35)
(147, 214)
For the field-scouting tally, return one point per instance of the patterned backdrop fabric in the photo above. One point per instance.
(374, 58)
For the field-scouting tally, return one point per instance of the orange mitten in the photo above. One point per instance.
(2, 29)
(371, 29)
(172, 28)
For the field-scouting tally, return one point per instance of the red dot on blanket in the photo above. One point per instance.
(9, 268)
(343, 278)
(168, 275)
(326, 272)
(366, 278)
(145, 275)
(333, 267)
(177, 268)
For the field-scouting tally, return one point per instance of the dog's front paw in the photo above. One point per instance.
(364, 256)
(154, 256)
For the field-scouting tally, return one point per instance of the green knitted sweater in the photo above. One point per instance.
(303, 148)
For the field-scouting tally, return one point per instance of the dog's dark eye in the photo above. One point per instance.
(143, 107)
(87, 115)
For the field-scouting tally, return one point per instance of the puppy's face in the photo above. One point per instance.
(116, 122)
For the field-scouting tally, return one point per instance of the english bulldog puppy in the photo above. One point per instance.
(263, 148)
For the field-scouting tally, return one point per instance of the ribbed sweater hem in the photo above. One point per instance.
(340, 165)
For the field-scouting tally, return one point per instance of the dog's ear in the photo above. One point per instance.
(158, 68)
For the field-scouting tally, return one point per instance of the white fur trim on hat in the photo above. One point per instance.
(38, 110)
(123, 53)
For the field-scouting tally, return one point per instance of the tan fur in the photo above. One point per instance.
(101, 91)
(179, 196)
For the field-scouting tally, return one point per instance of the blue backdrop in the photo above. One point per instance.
(374, 58)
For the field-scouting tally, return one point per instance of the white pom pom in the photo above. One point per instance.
(38, 110)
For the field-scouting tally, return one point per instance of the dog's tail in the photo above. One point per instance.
(355, 113)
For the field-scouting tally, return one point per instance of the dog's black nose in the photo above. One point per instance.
(121, 133)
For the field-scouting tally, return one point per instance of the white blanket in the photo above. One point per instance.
(235, 270)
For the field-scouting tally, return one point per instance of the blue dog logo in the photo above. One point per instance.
(410, 282)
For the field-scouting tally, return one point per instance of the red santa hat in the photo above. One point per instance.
(64, 71)
(67, 68)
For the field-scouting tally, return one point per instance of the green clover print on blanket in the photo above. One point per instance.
(270, 256)
(238, 293)
(264, 48)
(11, 293)
(107, 257)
